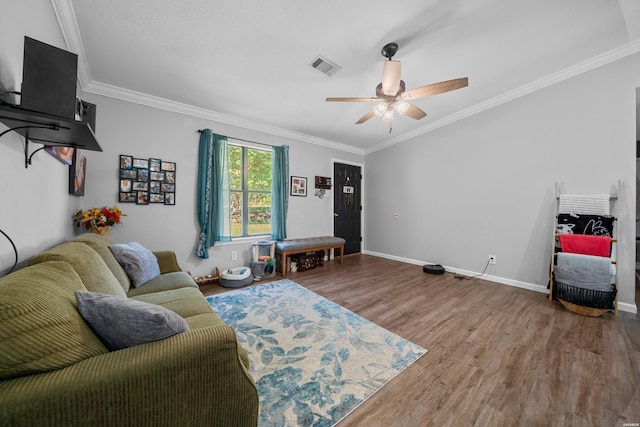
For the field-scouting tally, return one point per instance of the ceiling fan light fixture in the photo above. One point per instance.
(380, 108)
(387, 116)
(401, 106)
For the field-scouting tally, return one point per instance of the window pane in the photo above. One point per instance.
(236, 213)
(235, 168)
(259, 213)
(259, 170)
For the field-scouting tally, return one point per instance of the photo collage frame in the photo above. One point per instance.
(145, 181)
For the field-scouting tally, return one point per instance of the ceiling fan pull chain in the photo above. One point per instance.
(390, 128)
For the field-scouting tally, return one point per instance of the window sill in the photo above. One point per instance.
(244, 240)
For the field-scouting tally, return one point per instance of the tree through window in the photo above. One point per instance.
(250, 184)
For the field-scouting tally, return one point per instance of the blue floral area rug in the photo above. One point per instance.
(313, 361)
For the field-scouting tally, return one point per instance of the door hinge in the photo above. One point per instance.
(361, 238)
(361, 207)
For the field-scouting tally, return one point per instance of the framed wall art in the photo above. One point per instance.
(145, 181)
(298, 186)
(60, 152)
(77, 173)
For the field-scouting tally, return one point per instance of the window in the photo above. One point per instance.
(250, 185)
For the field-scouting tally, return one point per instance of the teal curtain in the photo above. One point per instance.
(214, 200)
(279, 192)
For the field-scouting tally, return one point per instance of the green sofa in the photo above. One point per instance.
(55, 371)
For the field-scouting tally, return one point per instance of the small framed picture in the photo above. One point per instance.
(156, 198)
(128, 197)
(298, 186)
(154, 186)
(168, 166)
(77, 172)
(125, 185)
(157, 176)
(129, 173)
(143, 174)
(63, 154)
(126, 162)
(140, 186)
(142, 198)
(169, 198)
(154, 164)
(141, 163)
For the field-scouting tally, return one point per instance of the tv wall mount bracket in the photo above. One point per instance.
(27, 156)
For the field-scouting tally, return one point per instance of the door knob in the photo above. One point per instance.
(335, 214)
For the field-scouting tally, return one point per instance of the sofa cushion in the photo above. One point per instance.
(167, 261)
(187, 302)
(164, 282)
(100, 244)
(93, 271)
(139, 262)
(123, 322)
(41, 328)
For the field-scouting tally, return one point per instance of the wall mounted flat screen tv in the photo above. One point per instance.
(49, 78)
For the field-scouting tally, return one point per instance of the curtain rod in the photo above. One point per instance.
(243, 140)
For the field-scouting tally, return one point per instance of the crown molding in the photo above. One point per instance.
(613, 55)
(203, 113)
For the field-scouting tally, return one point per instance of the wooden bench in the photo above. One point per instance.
(285, 248)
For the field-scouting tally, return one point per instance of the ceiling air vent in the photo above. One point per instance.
(323, 64)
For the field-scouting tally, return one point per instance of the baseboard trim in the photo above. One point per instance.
(630, 308)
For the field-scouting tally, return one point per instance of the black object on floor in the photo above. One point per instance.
(433, 269)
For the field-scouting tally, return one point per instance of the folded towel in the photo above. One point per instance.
(597, 281)
(585, 244)
(595, 225)
(593, 204)
(595, 264)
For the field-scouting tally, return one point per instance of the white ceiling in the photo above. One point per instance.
(247, 62)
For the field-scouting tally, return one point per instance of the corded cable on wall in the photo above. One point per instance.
(15, 250)
(460, 276)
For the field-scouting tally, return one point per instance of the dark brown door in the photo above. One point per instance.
(347, 216)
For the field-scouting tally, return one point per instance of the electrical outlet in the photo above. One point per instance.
(492, 259)
(234, 255)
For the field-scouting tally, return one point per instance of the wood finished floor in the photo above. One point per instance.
(498, 355)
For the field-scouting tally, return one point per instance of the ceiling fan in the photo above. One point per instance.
(391, 94)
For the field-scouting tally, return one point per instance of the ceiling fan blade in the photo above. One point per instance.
(351, 99)
(390, 77)
(414, 112)
(366, 117)
(436, 88)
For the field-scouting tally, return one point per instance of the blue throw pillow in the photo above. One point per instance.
(122, 322)
(139, 262)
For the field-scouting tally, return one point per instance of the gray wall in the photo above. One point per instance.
(127, 128)
(486, 184)
(36, 209)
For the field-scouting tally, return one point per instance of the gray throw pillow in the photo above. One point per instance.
(139, 262)
(122, 322)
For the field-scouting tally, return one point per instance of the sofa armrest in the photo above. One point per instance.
(192, 379)
(167, 261)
